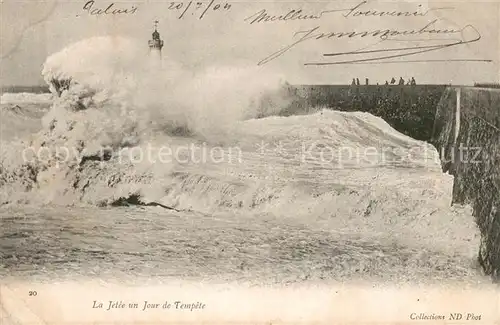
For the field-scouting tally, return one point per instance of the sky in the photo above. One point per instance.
(31, 31)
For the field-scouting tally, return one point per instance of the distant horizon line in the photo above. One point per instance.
(40, 86)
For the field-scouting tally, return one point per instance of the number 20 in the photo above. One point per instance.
(174, 5)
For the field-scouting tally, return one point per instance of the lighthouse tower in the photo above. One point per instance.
(155, 46)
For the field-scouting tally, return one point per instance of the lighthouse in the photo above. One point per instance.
(155, 46)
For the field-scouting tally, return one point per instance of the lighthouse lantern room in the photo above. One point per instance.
(155, 44)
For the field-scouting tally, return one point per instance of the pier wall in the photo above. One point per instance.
(463, 123)
(467, 132)
(408, 109)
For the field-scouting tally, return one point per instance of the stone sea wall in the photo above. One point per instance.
(468, 137)
(410, 109)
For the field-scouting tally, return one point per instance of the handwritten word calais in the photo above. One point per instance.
(92, 9)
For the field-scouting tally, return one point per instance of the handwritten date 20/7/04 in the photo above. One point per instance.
(201, 9)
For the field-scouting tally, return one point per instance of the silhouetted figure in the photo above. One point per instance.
(401, 81)
(413, 82)
(387, 83)
(408, 82)
(393, 81)
(357, 81)
(366, 81)
(353, 82)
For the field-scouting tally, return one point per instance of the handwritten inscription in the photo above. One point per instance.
(358, 10)
(191, 8)
(92, 9)
(198, 9)
(294, 14)
(426, 35)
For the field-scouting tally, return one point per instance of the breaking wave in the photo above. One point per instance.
(122, 132)
(111, 78)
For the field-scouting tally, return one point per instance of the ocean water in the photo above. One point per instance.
(119, 175)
